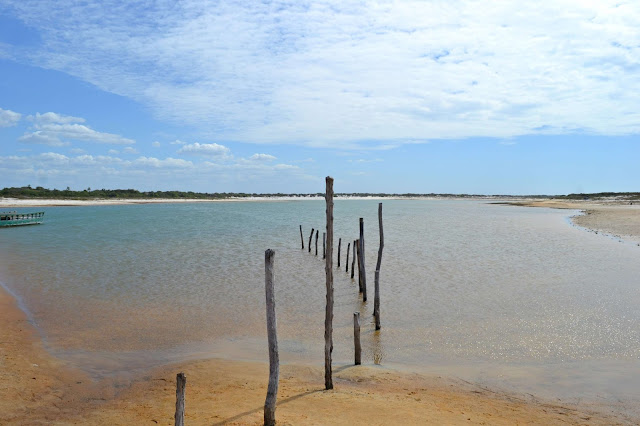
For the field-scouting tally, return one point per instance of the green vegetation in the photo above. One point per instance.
(129, 194)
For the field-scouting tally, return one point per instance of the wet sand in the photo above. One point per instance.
(619, 219)
(36, 388)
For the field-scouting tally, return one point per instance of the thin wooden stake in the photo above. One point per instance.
(376, 300)
(359, 267)
(316, 242)
(310, 237)
(347, 264)
(362, 271)
(181, 383)
(339, 245)
(328, 269)
(274, 361)
(301, 238)
(324, 245)
(353, 262)
(356, 338)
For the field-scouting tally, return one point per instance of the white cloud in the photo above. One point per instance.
(171, 163)
(77, 151)
(156, 144)
(9, 118)
(113, 152)
(130, 150)
(262, 157)
(52, 117)
(42, 138)
(54, 129)
(206, 149)
(356, 74)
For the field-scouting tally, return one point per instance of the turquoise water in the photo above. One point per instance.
(511, 297)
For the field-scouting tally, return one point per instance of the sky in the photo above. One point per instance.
(474, 97)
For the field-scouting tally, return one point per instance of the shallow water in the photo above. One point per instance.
(511, 297)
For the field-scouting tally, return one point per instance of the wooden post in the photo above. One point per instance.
(353, 262)
(310, 237)
(301, 238)
(274, 362)
(316, 242)
(359, 271)
(376, 300)
(181, 382)
(356, 338)
(362, 271)
(347, 264)
(339, 245)
(328, 269)
(324, 245)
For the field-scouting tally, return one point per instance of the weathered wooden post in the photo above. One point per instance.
(347, 264)
(316, 242)
(181, 383)
(353, 262)
(310, 237)
(339, 244)
(328, 269)
(356, 338)
(361, 269)
(324, 245)
(274, 362)
(376, 300)
(301, 238)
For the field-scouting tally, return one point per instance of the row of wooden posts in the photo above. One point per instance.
(327, 255)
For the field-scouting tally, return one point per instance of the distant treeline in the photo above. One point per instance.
(40, 192)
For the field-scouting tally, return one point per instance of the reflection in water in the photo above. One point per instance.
(463, 284)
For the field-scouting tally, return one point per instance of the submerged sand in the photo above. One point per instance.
(36, 388)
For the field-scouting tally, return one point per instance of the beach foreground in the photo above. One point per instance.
(36, 388)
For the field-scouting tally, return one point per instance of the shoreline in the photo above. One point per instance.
(619, 220)
(37, 388)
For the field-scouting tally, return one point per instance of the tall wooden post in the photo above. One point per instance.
(324, 245)
(359, 268)
(339, 245)
(274, 362)
(376, 300)
(181, 383)
(328, 269)
(353, 262)
(362, 270)
(301, 238)
(347, 264)
(310, 237)
(356, 338)
(316, 242)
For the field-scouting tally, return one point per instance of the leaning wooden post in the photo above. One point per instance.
(310, 237)
(339, 245)
(362, 271)
(274, 362)
(316, 242)
(328, 269)
(301, 238)
(347, 264)
(356, 338)
(353, 262)
(181, 382)
(324, 245)
(376, 300)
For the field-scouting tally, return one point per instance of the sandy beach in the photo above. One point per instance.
(37, 388)
(618, 219)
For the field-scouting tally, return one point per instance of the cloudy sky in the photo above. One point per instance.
(501, 97)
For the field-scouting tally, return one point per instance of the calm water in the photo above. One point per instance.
(510, 297)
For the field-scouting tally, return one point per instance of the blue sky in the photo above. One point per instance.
(404, 96)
